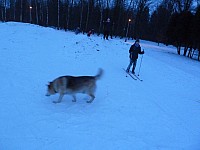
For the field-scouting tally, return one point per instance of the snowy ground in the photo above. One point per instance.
(160, 113)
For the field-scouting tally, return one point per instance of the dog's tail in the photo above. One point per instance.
(99, 75)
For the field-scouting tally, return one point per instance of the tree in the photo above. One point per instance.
(196, 33)
(118, 21)
(53, 13)
(141, 19)
(183, 5)
(179, 30)
(159, 21)
(3, 9)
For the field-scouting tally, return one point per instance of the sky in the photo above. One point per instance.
(159, 113)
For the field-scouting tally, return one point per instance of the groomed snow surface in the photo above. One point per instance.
(160, 113)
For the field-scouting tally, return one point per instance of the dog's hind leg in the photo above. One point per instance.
(91, 92)
(59, 99)
(74, 98)
(92, 98)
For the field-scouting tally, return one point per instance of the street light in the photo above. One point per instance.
(129, 20)
(30, 13)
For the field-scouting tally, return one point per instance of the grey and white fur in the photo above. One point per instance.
(73, 85)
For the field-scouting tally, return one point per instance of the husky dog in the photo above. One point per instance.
(72, 85)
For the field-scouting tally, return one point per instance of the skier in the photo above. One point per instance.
(134, 50)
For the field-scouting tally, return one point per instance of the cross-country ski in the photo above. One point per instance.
(128, 73)
(136, 77)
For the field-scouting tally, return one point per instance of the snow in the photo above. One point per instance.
(160, 113)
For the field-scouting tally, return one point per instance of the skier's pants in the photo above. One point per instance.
(132, 62)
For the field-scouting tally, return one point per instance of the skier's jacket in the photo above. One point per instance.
(134, 51)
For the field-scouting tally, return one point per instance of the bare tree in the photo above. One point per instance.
(58, 14)
(87, 18)
(183, 5)
(21, 10)
(100, 4)
(41, 12)
(1, 4)
(36, 11)
(119, 9)
(129, 17)
(47, 13)
(139, 24)
(198, 3)
(14, 11)
(81, 15)
(69, 8)
(5, 11)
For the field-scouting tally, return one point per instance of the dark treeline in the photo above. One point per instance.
(175, 22)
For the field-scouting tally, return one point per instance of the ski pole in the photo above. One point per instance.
(140, 65)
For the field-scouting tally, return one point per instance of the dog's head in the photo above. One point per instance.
(50, 89)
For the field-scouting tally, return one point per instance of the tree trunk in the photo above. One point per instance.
(58, 14)
(101, 20)
(88, 13)
(179, 50)
(41, 18)
(101, 15)
(119, 20)
(81, 16)
(21, 7)
(185, 51)
(5, 12)
(47, 17)
(2, 11)
(190, 53)
(68, 14)
(36, 11)
(14, 16)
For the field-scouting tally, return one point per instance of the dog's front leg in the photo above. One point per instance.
(59, 99)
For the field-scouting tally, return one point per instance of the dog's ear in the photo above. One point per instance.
(48, 84)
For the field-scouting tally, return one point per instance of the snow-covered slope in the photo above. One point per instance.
(160, 113)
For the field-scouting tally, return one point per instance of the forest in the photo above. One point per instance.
(172, 22)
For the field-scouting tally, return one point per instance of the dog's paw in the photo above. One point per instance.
(89, 101)
(73, 100)
(55, 102)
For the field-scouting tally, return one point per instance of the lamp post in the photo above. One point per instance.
(30, 13)
(129, 20)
